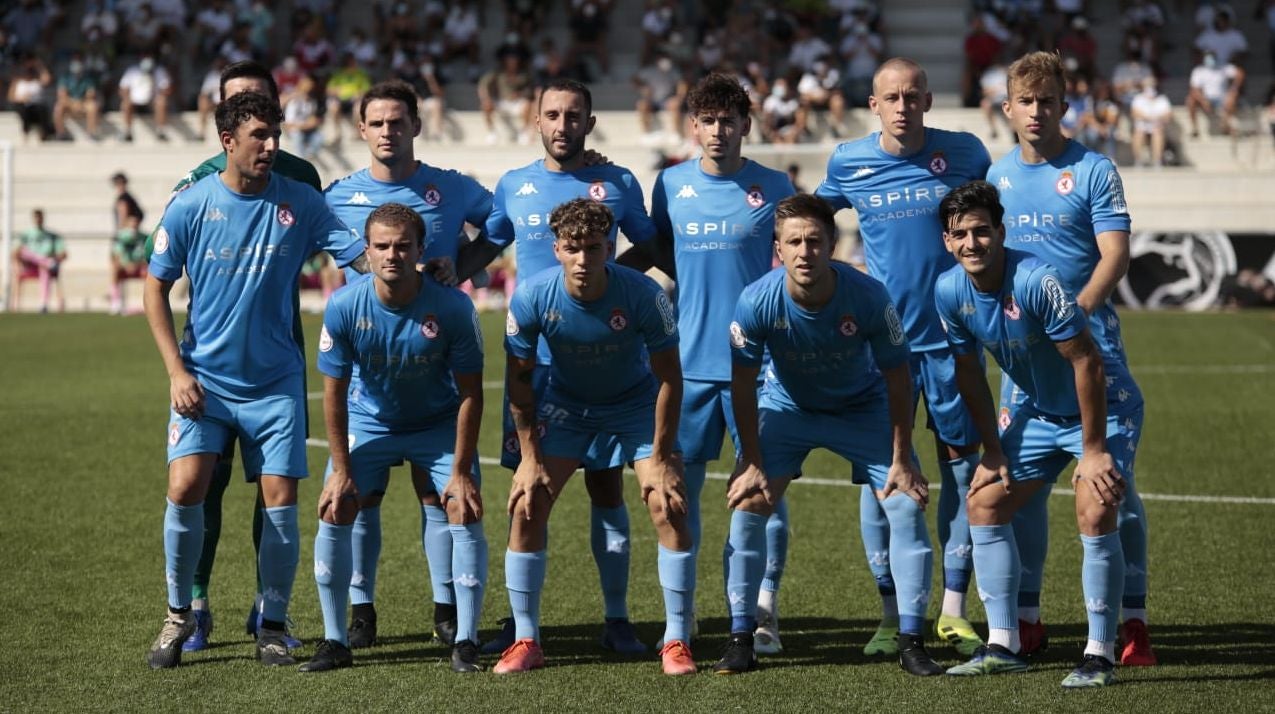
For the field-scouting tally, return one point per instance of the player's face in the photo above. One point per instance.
(1035, 113)
(389, 131)
(583, 261)
(252, 147)
(246, 84)
(721, 133)
(805, 249)
(392, 253)
(974, 241)
(900, 100)
(563, 124)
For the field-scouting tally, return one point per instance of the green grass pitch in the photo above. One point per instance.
(82, 421)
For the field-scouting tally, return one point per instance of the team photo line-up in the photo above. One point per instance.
(766, 338)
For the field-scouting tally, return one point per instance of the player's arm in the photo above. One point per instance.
(475, 255)
(748, 478)
(904, 474)
(184, 391)
(1096, 468)
(461, 486)
(971, 382)
(530, 476)
(338, 501)
(666, 365)
(1113, 263)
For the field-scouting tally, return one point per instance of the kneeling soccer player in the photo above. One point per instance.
(614, 371)
(839, 379)
(1017, 307)
(402, 360)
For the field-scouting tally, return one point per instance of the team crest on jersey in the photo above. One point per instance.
(847, 326)
(429, 327)
(756, 198)
(161, 241)
(285, 215)
(618, 320)
(598, 191)
(511, 324)
(174, 434)
(1011, 308)
(938, 163)
(737, 337)
(325, 339)
(1004, 419)
(432, 195)
(1066, 183)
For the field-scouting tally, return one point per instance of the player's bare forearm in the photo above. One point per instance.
(336, 415)
(1113, 263)
(468, 420)
(898, 388)
(1091, 389)
(522, 404)
(743, 393)
(971, 382)
(666, 365)
(474, 256)
(159, 316)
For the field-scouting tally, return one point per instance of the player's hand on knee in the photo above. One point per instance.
(339, 501)
(1097, 472)
(468, 499)
(530, 482)
(992, 468)
(187, 395)
(905, 477)
(443, 270)
(748, 479)
(668, 488)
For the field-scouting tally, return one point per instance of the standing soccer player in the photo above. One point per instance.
(838, 379)
(1020, 308)
(615, 372)
(389, 121)
(525, 197)
(894, 179)
(402, 360)
(241, 236)
(1065, 204)
(719, 214)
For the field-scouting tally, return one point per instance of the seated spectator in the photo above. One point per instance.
(401, 26)
(757, 84)
(77, 96)
(210, 94)
(27, 98)
(423, 76)
(1226, 42)
(145, 85)
(1079, 103)
(1214, 89)
(303, 118)
(99, 21)
(128, 259)
(820, 91)
(862, 50)
(589, 23)
(260, 21)
(39, 255)
(661, 86)
(783, 122)
(995, 90)
(287, 76)
(212, 28)
(1128, 76)
(238, 47)
(1079, 45)
(806, 48)
(982, 51)
(507, 91)
(657, 24)
(362, 48)
(1151, 113)
(28, 27)
(345, 90)
(460, 35)
(143, 31)
(1099, 127)
(1143, 24)
(313, 51)
(548, 65)
(711, 53)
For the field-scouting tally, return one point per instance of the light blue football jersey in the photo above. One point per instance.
(824, 360)
(598, 349)
(723, 238)
(244, 254)
(400, 361)
(897, 200)
(445, 200)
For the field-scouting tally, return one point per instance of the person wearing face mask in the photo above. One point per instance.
(77, 96)
(1151, 114)
(145, 85)
(1214, 87)
(783, 121)
(661, 86)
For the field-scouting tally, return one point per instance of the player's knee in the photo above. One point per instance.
(457, 514)
(342, 513)
(1094, 518)
(987, 508)
(756, 504)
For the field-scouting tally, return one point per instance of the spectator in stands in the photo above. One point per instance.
(854, 12)
(128, 259)
(982, 51)
(657, 23)
(303, 119)
(1071, 9)
(1099, 127)
(260, 20)
(27, 92)
(460, 35)
(401, 26)
(783, 120)
(1143, 25)
(507, 91)
(1215, 90)
(862, 50)
(589, 22)
(287, 76)
(779, 27)
(238, 47)
(77, 96)
(744, 42)
(524, 16)
(1151, 113)
(99, 22)
(145, 86)
(1128, 76)
(361, 48)
(806, 48)
(1079, 45)
(661, 86)
(212, 28)
(209, 94)
(820, 91)
(28, 28)
(711, 53)
(313, 51)
(422, 75)
(39, 255)
(142, 31)
(1079, 103)
(345, 89)
(549, 65)
(757, 84)
(993, 86)
(1221, 38)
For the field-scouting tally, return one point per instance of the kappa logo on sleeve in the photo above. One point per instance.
(897, 336)
(1057, 297)
(667, 314)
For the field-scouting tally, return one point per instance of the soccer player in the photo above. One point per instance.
(402, 360)
(241, 236)
(838, 379)
(894, 178)
(246, 76)
(615, 372)
(1065, 204)
(1020, 308)
(719, 215)
(389, 122)
(520, 214)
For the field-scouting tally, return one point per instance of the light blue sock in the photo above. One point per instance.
(694, 475)
(1102, 579)
(776, 546)
(333, 566)
(1031, 533)
(277, 560)
(365, 545)
(954, 525)
(1133, 540)
(911, 560)
(874, 528)
(436, 540)
(677, 578)
(609, 538)
(183, 542)
(745, 566)
(469, 563)
(998, 569)
(525, 579)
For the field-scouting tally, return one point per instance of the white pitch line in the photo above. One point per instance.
(843, 483)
